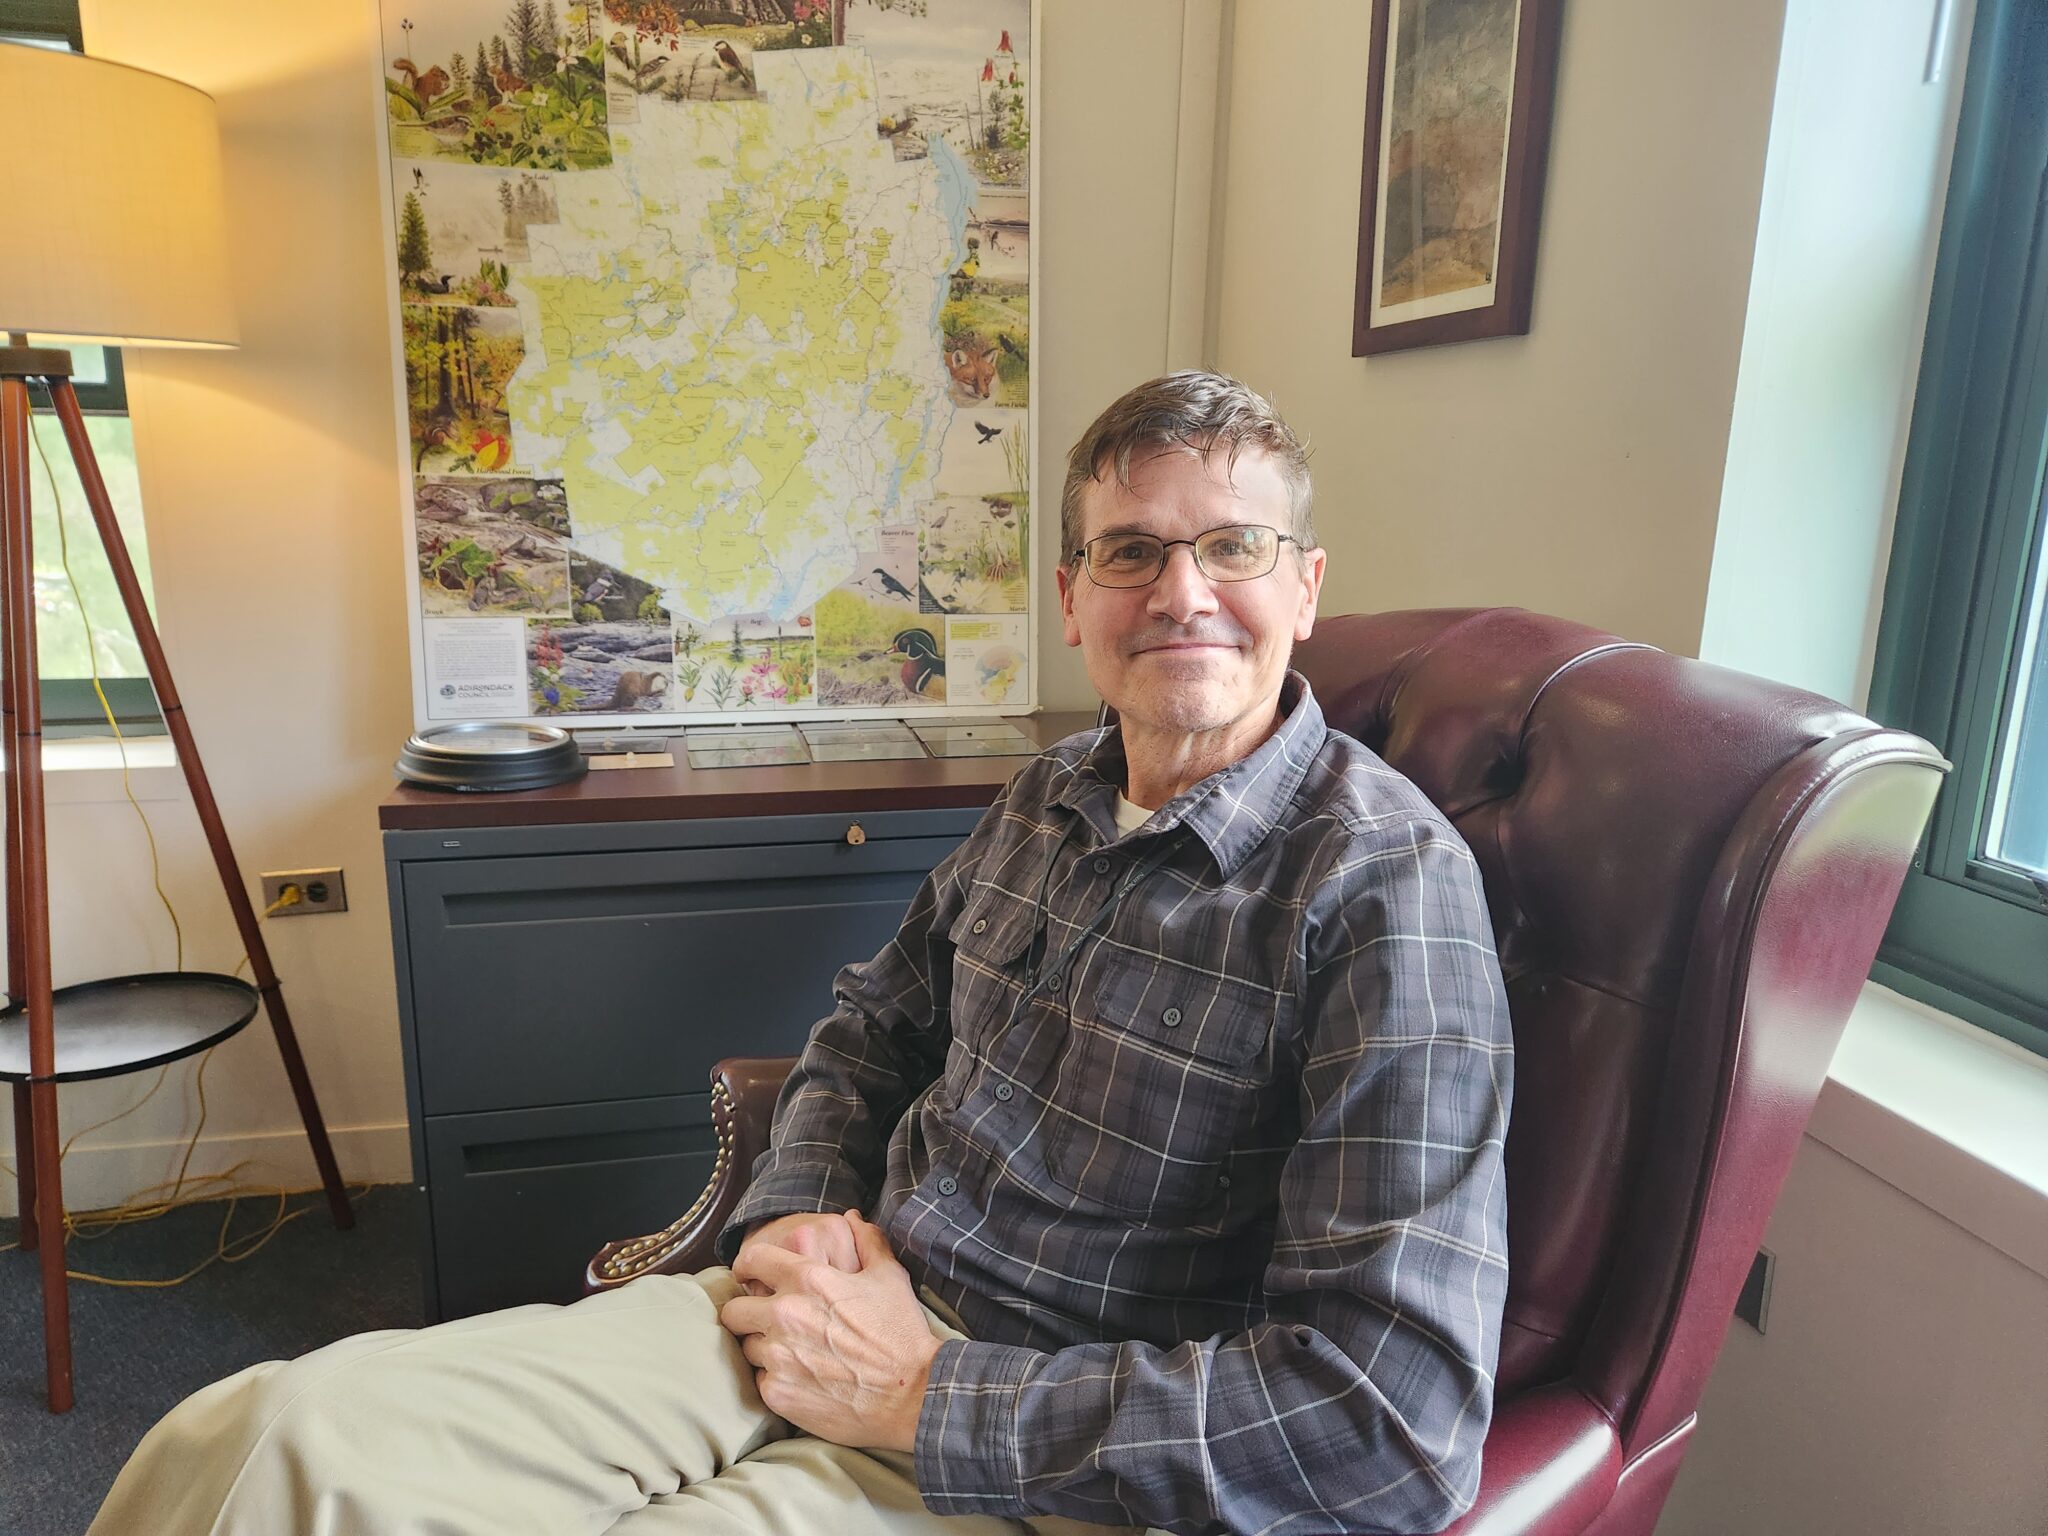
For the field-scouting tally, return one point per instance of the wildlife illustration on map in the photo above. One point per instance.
(716, 331)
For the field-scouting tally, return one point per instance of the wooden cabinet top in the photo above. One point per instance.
(682, 793)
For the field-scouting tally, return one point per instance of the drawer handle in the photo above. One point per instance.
(856, 834)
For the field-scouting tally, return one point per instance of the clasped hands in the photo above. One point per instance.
(839, 1344)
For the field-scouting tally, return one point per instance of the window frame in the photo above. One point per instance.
(70, 707)
(1970, 935)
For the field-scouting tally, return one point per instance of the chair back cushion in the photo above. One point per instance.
(1630, 810)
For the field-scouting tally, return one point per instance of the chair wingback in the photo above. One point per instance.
(1689, 870)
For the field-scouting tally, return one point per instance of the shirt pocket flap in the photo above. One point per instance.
(1181, 1008)
(995, 928)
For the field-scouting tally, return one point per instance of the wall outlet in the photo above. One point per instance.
(320, 890)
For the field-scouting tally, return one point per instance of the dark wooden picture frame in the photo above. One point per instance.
(1538, 28)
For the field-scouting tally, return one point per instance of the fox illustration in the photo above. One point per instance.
(972, 363)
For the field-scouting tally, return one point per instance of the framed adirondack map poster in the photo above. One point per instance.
(716, 355)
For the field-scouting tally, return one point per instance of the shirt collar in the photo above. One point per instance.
(1232, 810)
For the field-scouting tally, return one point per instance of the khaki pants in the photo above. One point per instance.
(631, 1413)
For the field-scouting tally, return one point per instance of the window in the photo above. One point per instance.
(1962, 653)
(69, 605)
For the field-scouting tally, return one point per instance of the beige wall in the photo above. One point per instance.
(1575, 470)
(270, 483)
(1900, 1386)
(270, 490)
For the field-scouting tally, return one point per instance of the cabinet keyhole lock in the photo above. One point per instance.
(856, 834)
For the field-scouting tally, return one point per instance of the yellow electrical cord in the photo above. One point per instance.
(92, 657)
(145, 1205)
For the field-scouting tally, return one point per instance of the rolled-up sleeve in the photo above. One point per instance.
(1361, 1400)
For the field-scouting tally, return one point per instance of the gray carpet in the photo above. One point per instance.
(137, 1352)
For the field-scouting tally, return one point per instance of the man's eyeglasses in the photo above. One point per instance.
(1238, 552)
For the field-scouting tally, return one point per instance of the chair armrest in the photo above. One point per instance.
(743, 1090)
(1550, 1467)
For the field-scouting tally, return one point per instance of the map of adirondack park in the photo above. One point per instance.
(716, 326)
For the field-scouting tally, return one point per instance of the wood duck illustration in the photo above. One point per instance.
(924, 670)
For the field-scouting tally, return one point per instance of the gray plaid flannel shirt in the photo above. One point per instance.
(1220, 1200)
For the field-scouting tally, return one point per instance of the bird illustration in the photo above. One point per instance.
(1009, 346)
(419, 179)
(891, 587)
(988, 434)
(891, 127)
(924, 670)
(970, 267)
(735, 66)
(594, 593)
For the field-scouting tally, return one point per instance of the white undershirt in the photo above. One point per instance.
(1129, 817)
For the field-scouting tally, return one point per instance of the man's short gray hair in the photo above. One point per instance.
(1203, 412)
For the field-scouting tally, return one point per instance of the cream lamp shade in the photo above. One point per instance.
(117, 228)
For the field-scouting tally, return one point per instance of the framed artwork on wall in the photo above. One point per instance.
(1457, 133)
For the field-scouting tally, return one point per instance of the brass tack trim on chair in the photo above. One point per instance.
(642, 1254)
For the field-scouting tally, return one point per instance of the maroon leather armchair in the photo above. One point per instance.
(1689, 870)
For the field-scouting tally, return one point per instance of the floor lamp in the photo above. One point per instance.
(118, 238)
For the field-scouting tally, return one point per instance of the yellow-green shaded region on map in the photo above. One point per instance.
(736, 371)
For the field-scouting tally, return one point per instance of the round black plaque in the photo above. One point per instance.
(484, 755)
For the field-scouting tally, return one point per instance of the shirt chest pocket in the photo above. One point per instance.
(982, 960)
(1159, 1078)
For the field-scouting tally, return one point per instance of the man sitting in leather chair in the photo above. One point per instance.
(1175, 1110)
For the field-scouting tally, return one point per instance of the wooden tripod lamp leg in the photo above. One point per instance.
(24, 1114)
(73, 422)
(28, 884)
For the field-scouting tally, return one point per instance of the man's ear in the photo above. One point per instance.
(1312, 564)
(1067, 576)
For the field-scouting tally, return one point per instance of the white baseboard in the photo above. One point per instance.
(97, 1177)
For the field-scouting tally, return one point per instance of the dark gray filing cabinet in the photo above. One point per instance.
(564, 991)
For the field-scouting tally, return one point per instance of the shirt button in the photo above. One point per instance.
(1003, 1091)
(948, 1185)
(1170, 1018)
(981, 925)
(1058, 981)
(1223, 1181)
(1102, 866)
